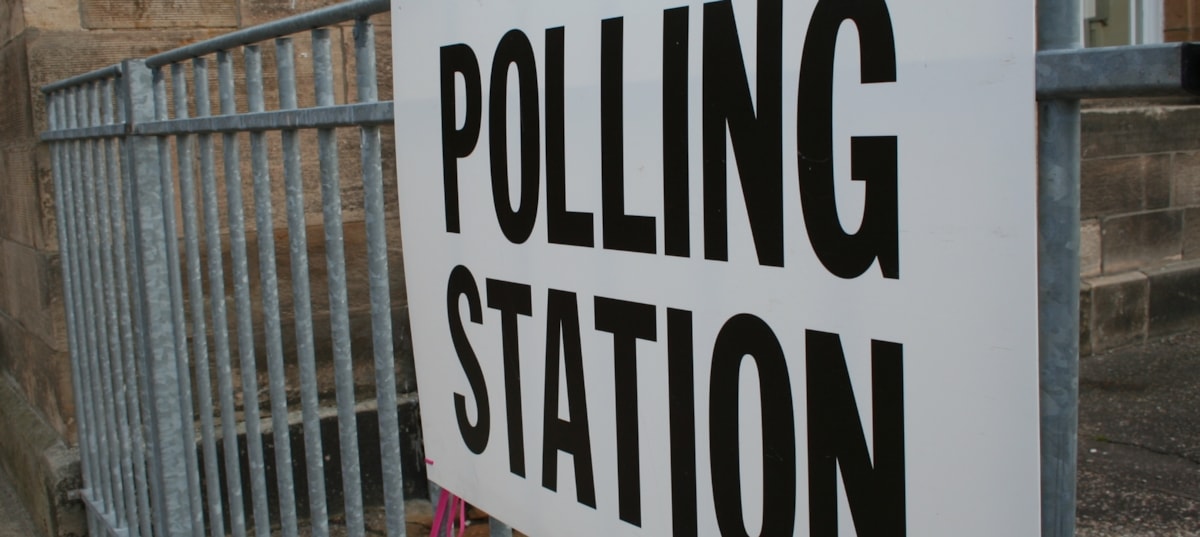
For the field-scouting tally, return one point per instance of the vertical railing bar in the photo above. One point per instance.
(139, 521)
(104, 332)
(116, 506)
(1058, 278)
(117, 322)
(151, 237)
(115, 398)
(113, 350)
(241, 292)
(91, 302)
(338, 308)
(381, 306)
(216, 283)
(269, 288)
(285, 66)
(58, 153)
(85, 292)
(178, 322)
(187, 197)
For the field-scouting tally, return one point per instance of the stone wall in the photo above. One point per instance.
(1140, 229)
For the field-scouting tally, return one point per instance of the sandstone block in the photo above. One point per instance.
(15, 115)
(1156, 182)
(27, 202)
(43, 374)
(1191, 233)
(1125, 184)
(43, 171)
(1136, 240)
(1089, 247)
(112, 14)
(12, 20)
(1185, 178)
(1174, 298)
(1085, 318)
(52, 14)
(20, 202)
(30, 288)
(1120, 310)
(57, 55)
(1111, 132)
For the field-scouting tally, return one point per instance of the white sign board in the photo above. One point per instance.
(735, 268)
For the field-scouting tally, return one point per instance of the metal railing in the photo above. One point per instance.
(142, 227)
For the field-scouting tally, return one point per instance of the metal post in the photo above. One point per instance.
(118, 176)
(172, 501)
(1058, 278)
(135, 360)
(183, 377)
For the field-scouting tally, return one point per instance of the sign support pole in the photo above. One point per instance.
(1058, 28)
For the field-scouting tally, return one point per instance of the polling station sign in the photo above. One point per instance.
(724, 268)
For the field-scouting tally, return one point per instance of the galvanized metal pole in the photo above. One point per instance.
(172, 499)
(381, 305)
(1058, 27)
(335, 260)
(241, 293)
(314, 452)
(59, 153)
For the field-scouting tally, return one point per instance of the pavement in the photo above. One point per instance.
(1139, 446)
(14, 521)
(1139, 440)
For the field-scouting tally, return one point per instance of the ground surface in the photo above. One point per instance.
(1139, 440)
(14, 521)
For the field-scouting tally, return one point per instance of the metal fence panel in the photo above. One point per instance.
(156, 245)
